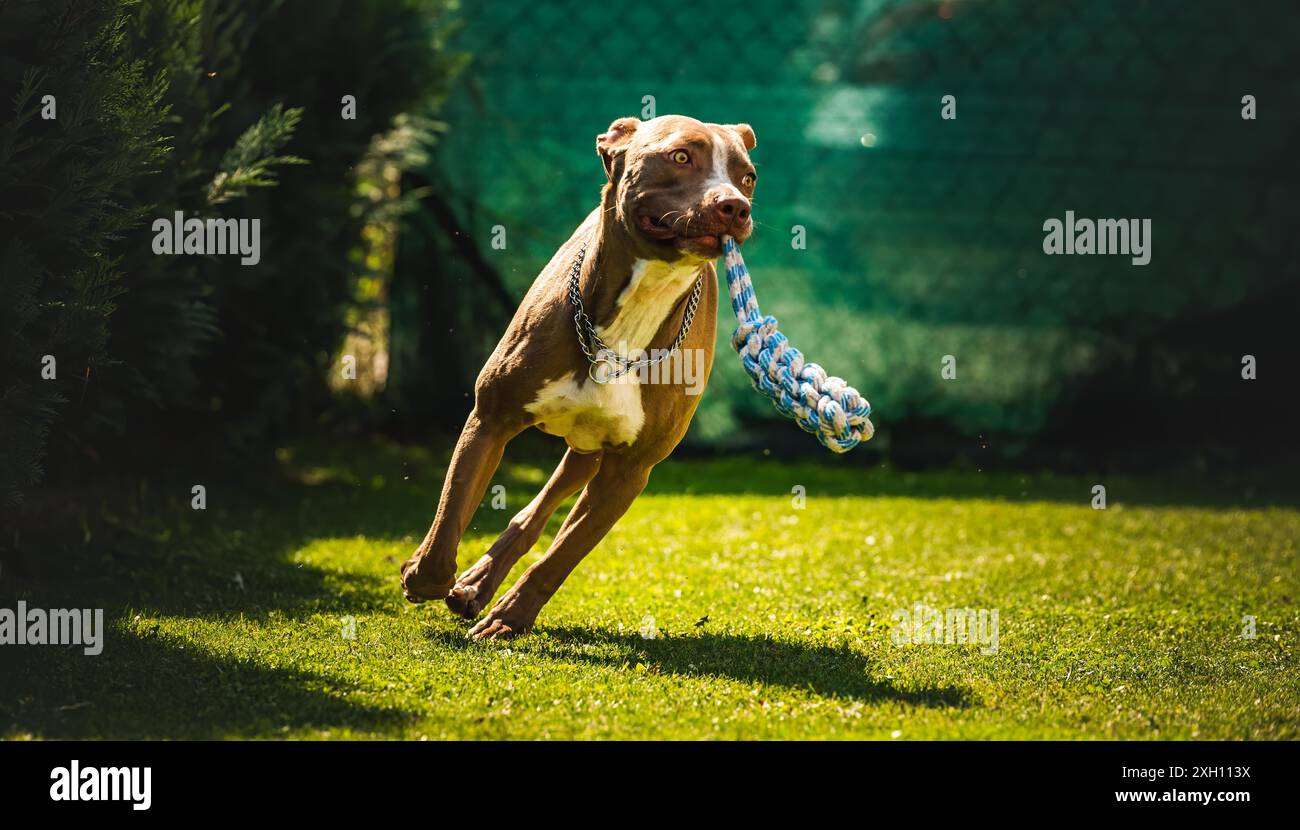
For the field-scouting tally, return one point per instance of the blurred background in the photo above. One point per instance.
(923, 236)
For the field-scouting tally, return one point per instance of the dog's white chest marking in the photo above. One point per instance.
(653, 290)
(590, 415)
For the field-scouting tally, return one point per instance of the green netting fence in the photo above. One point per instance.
(924, 236)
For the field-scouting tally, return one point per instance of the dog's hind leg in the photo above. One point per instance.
(431, 570)
(474, 589)
(616, 485)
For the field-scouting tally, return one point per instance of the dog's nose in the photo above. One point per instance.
(733, 211)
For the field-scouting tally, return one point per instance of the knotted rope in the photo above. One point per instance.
(824, 405)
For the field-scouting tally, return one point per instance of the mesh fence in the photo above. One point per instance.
(924, 235)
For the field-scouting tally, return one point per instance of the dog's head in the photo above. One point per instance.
(676, 185)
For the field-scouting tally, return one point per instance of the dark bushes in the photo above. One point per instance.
(227, 109)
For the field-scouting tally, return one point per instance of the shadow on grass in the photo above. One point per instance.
(149, 688)
(826, 671)
(201, 576)
(835, 477)
(531, 457)
(239, 558)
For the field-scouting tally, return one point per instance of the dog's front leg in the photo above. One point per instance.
(431, 570)
(619, 481)
(474, 589)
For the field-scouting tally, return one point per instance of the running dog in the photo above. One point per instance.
(637, 277)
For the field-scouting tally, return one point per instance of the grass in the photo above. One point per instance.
(769, 621)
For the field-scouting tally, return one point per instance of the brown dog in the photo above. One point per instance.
(639, 265)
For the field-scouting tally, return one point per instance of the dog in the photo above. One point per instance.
(638, 274)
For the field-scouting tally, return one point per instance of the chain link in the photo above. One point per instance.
(589, 340)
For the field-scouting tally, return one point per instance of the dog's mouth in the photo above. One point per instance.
(699, 241)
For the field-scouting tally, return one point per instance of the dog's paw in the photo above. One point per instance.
(463, 599)
(512, 617)
(494, 629)
(421, 582)
(475, 588)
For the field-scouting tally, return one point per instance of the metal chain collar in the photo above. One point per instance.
(598, 352)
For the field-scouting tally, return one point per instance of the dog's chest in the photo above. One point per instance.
(591, 416)
(644, 304)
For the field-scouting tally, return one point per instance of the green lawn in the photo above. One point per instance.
(769, 621)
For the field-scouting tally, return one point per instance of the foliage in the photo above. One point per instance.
(246, 165)
(198, 107)
(65, 201)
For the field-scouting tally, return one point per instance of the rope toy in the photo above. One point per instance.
(824, 405)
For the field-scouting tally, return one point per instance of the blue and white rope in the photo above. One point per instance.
(824, 405)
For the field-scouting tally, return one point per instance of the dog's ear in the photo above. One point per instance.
(746, 134)
(613, 141)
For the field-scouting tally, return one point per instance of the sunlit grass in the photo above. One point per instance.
(769, 620)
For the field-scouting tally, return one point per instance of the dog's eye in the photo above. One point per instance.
(681, 157)
(749, 180)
